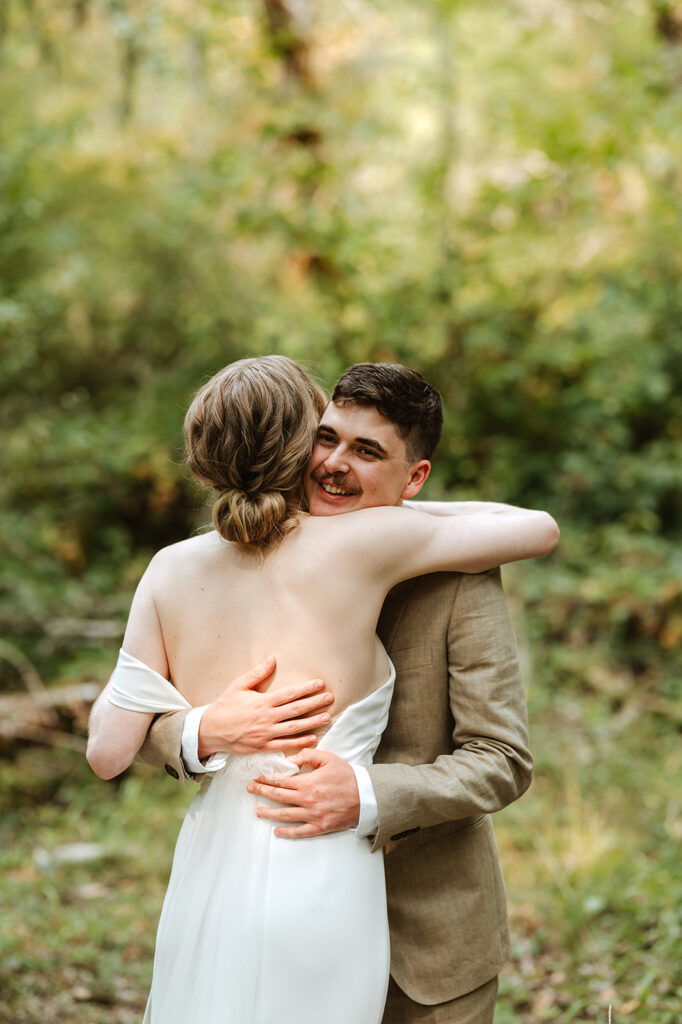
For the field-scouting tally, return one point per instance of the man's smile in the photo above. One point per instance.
(335, 486)
(332, 489)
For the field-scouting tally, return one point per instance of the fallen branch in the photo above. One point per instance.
(23, 666)
(50, 737)
(89, 629)
(56, 696)
(32, 715)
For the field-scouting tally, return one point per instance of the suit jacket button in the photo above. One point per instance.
(171, 771)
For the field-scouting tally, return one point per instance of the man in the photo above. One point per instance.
(455, 748)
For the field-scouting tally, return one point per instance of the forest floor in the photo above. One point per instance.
(591, 856)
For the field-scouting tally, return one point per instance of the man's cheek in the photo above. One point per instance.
(314, 463)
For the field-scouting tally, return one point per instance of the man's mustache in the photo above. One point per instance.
(334, 480)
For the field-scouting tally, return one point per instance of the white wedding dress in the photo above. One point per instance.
(256, 929)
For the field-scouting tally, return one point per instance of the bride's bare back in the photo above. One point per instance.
(222, 609)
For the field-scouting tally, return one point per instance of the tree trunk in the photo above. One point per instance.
(288, 40)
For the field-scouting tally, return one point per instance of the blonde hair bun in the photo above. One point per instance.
(249, 518)
(249, 433)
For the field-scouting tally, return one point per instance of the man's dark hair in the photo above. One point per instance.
(402, 396)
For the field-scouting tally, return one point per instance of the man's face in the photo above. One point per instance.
(359, 461)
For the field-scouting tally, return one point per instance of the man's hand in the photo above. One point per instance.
(243, 721)
(324, 799)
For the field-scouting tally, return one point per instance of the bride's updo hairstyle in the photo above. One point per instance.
(249, 433)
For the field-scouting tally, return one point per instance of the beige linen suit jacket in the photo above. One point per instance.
(455, 750)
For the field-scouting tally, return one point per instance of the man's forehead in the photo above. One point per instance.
(352, 420)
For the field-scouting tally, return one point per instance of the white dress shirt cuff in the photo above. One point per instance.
(190, 746)
(368, 822)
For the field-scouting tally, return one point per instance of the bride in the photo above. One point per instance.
(256, 930)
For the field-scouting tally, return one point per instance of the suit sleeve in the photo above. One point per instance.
(163, 745)
(489, 765)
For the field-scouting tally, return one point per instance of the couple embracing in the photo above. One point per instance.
(280, 898)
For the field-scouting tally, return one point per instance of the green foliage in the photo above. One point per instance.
(488, 192)
(77, 936)
(592, 864)
(514, 244)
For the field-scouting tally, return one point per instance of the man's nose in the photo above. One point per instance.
(337, 460)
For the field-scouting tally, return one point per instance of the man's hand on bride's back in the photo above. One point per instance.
(324, 798)
(243, 721)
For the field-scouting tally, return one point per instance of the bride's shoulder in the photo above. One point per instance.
(185, 553)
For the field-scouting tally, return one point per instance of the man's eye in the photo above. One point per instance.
(322, 439)
(367, 451)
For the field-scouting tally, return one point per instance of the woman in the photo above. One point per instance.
(255, 929)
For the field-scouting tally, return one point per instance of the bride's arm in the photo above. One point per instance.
(399, 544)
(116, 734)
(461, 508)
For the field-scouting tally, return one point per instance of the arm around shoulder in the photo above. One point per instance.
(400, 543)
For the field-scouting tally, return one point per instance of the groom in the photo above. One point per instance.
(455, 748)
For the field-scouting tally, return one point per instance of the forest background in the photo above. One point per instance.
(489, 192)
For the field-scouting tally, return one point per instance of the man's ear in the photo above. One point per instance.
(418, 474)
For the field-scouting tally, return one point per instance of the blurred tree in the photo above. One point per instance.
(487, 192)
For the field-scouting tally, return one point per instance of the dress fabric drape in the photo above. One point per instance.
(256, 929)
